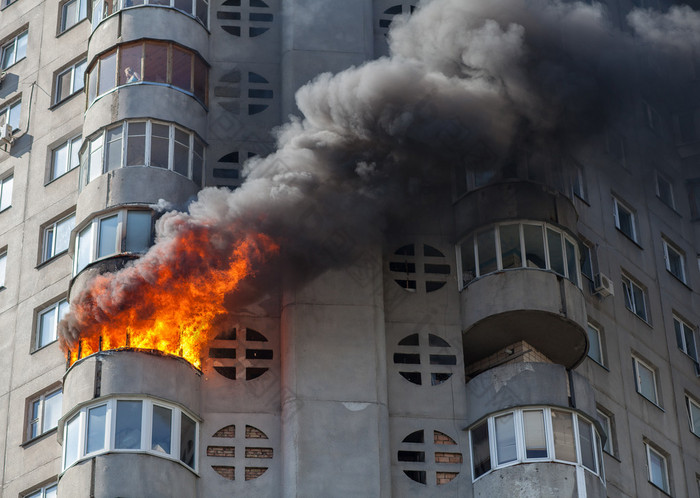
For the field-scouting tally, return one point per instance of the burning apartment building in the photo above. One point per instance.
(349, 248)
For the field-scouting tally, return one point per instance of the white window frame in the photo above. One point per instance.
(549, 440)
(495, 230)
(57, 318)
(694, 423)
(49, 251)
(6, 113)
(39, 420)
(72, 147)
(607, 422)
(94, 227)
(619, 206)
(3, 267)
(6, 3)
(597, 332)
(42, 491)
(638, 381)
(6, 189)
(681, 325)
(73, 70)
(662, 179)
(14, 42)
(146, 431)
(672, 249)
(629, 286)
(664, 460)
(80, 15)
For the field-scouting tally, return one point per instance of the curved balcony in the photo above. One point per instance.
(132, 413)
(539, 307)
(512, 200)
(533, 433)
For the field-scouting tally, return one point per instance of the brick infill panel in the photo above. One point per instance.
(221, 451)
(258, 452)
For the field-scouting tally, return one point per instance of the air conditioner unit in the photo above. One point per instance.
(603, 286)
(6, 134)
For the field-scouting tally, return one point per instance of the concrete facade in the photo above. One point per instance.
(361, 389)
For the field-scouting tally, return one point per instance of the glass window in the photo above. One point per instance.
(563, 431)
(505, 439)
(685, 337)
(535, 442)
(45, 492)
(72, 13)
(571, 261)
(48, 319)
(556, 254)
(693, 415)
(10, 114)
(468, 265)
(675, 261)
(128, 425)
(92, 84)
(202, 11)
(96, 423)
(585, 436)
(14, 50)
(162, 426)
(107, 242)
(511, 255)
(187, 440)
(108, 73)
(534, 246)
(635, 298)
(65, 157)
(624, 219)
(197, 161)
(664, 190)
(181, 152)
(155, 66)
(71, 445)
(3, 267)
(487, 252)
(160, 145)
(587, 261)
(182, 69)
(84, 249)
(481, 453)
(658, 471)
(130, 62)
(113, 154)
(136, 146)
(57, 237)
(95, 168)
(645, 379)
(6, 193)
(606, 423)
(138, 231)
(595, 351)
(200, 77)
(43, 413)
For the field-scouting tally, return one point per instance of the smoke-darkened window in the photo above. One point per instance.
(142, 143)
(102, 9)
(124, 231)
(430, 461)
(519, 245)
(86, 433)
(149, 62)
(535, 435)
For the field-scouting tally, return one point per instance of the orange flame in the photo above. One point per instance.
(169, 301)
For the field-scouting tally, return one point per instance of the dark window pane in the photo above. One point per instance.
(202, 11)
(187, 440)
(162, 424)
(407, 358)
(411, 456)
(487, 252)
(437, 342)
(414, 437)
(184, 5)
(63, 86)
(155, 67)
(128, 425)
(130, 64)
(410, 340)
(181, 152)
(556, 255)
(197, 161)
(481, 453)
(92, 85)
(534, 246)
(182, 69)
(200, 79)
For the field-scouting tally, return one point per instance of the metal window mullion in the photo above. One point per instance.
(577, 440)
(547, 262)
(94, 238)
(146, 425)
(497, 246)
(523, 251)
(112, 417)
(175, 443)
(493, 447)
(548, 433)
(171, 147)
(519, 435)
(477, 270)
(82, 431)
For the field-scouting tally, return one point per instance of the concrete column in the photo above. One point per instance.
(331, 35)
(335, 433)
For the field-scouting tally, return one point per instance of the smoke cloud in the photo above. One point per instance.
(463, 77)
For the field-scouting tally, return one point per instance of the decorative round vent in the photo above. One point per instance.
(417, 362)
(245, 92)
(425, 268)
(388, 15)
(245, 17)
(240, 354)
(250, 452)
(429, 462)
